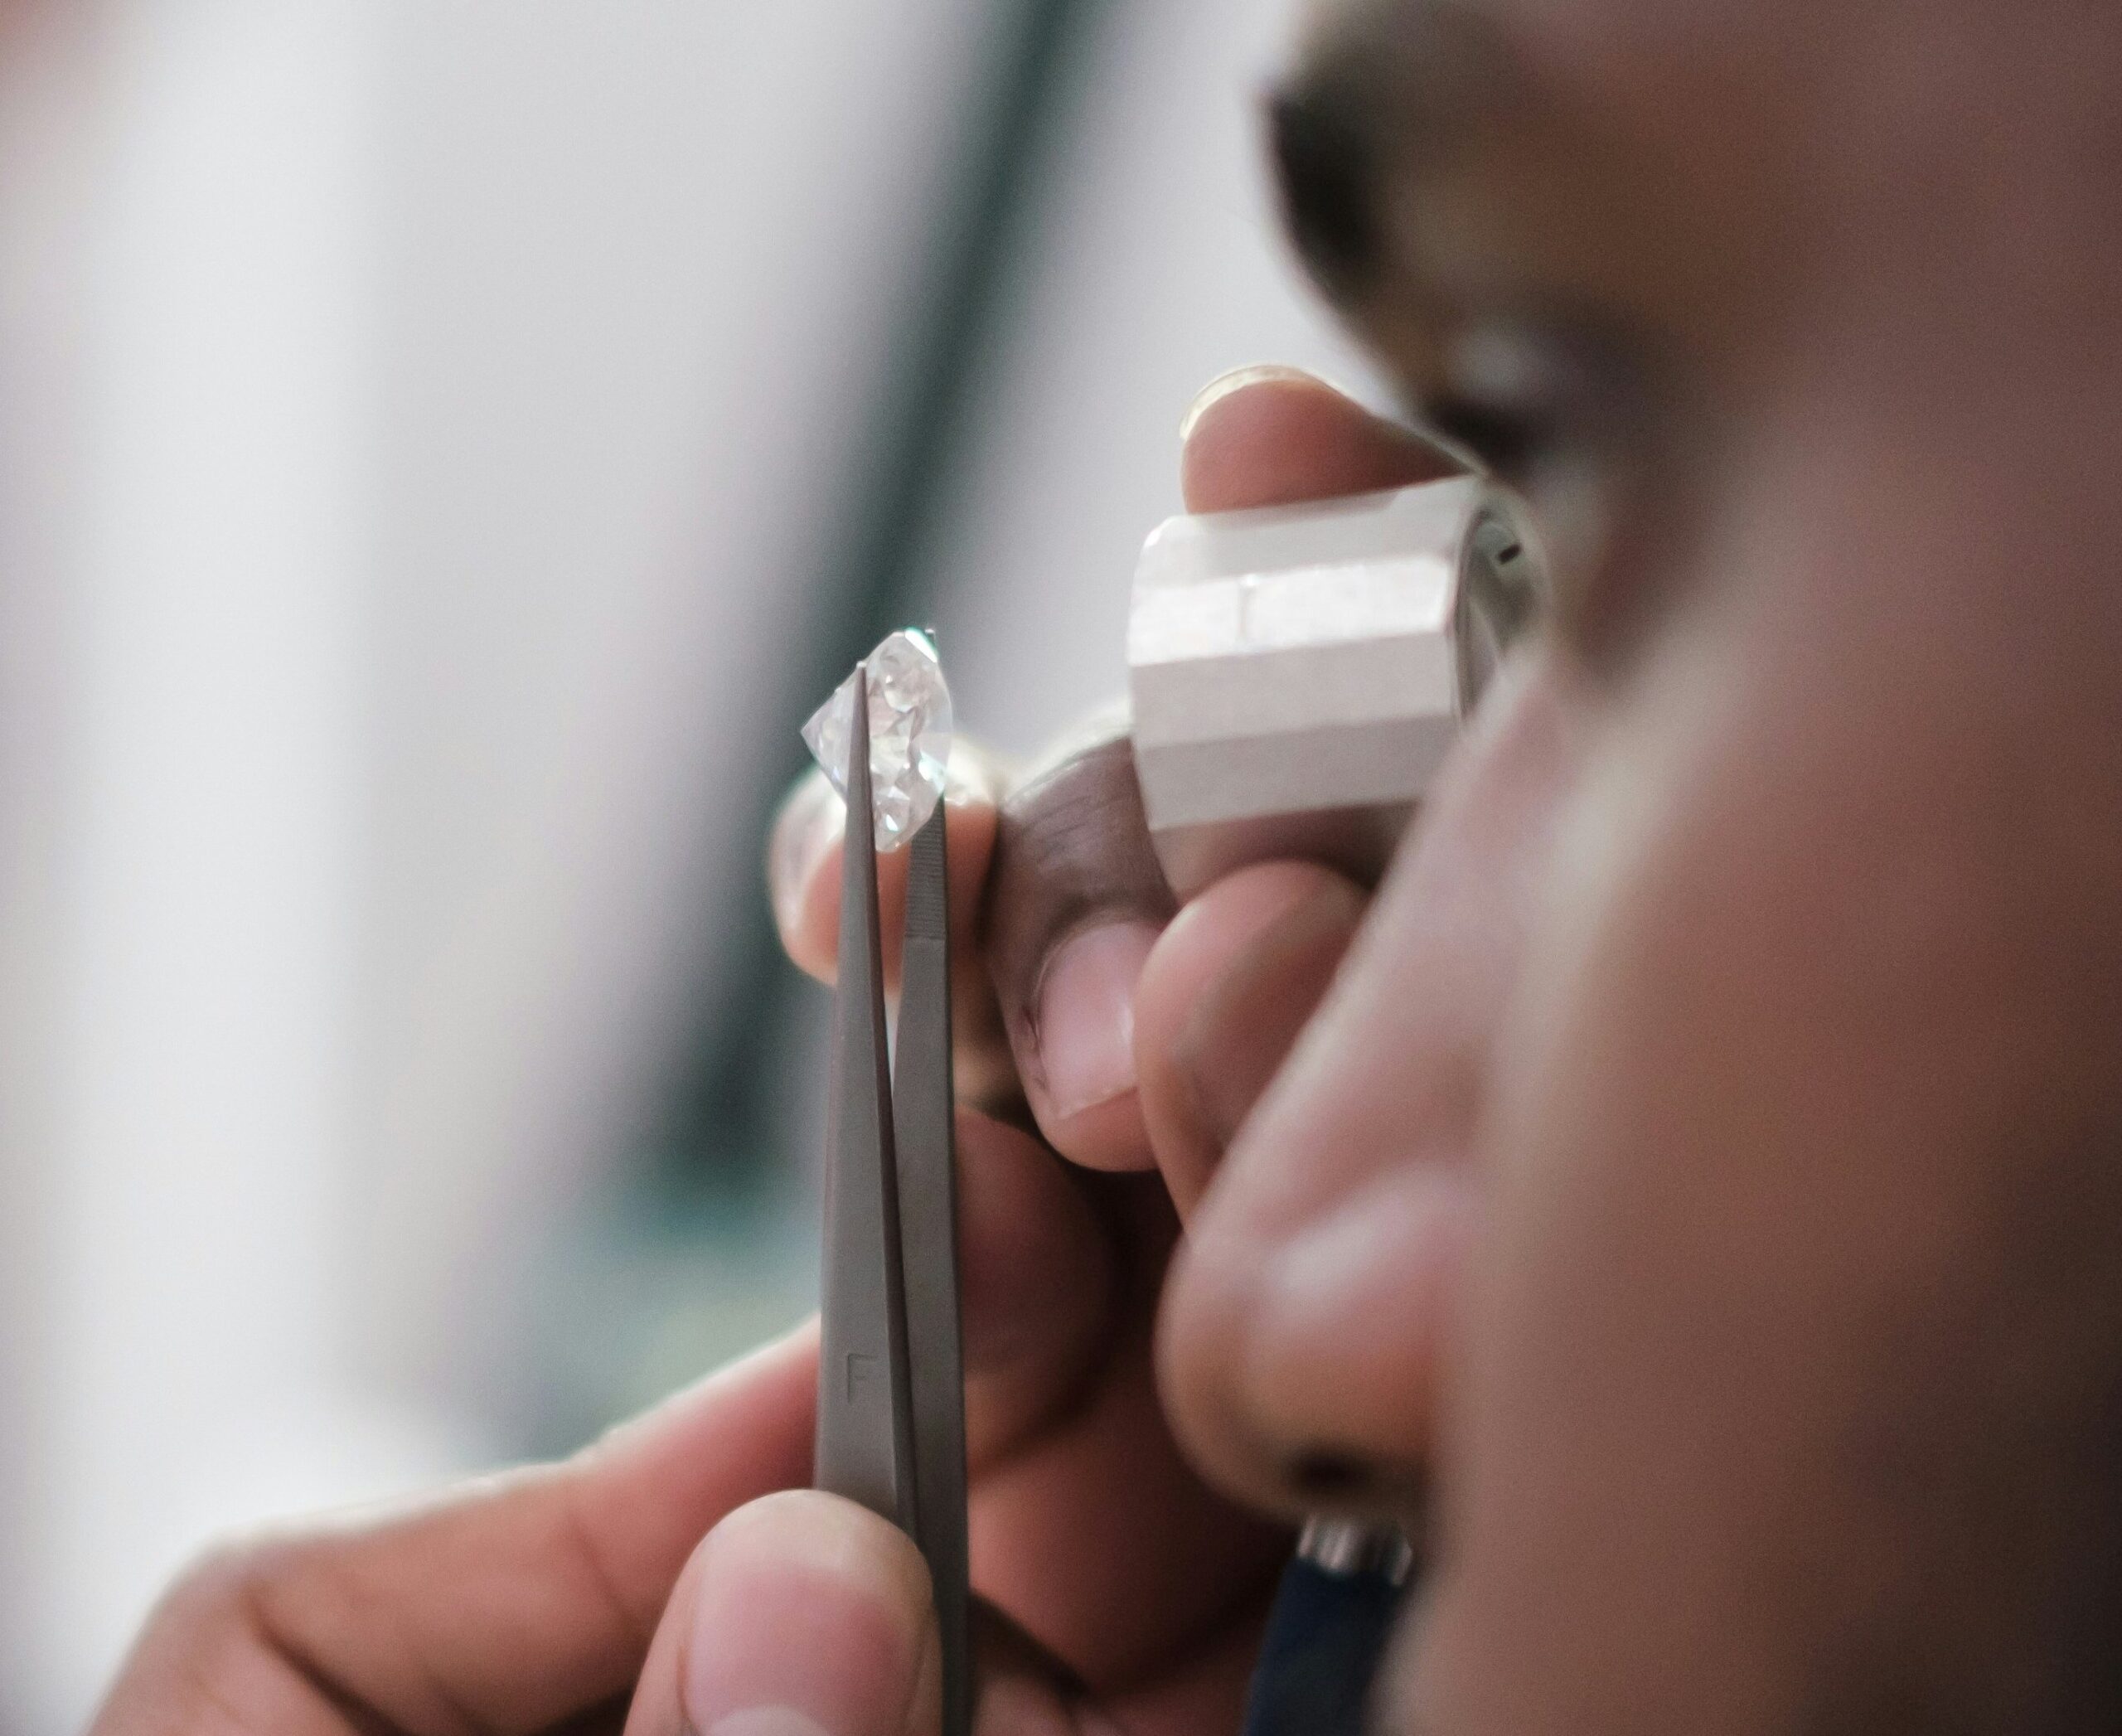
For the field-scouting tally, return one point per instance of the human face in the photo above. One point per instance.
(1694, 1200)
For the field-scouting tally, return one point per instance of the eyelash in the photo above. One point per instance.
(1568, 452)
(1510, 444)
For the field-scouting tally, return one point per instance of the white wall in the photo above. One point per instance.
(202, 733)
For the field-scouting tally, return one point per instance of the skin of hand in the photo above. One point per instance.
(1187, 1017)
(1067, 915)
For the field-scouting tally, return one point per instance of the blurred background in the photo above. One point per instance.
(447, 447)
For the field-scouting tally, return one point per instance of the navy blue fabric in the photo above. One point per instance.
(1324, 1640)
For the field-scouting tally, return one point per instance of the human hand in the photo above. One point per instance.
(1062, 915)
(582, 1597)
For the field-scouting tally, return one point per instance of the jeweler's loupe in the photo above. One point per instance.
(1298, 674)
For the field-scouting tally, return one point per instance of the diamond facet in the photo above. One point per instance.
(909, 734)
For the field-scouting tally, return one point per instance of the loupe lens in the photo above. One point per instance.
(1499, 592)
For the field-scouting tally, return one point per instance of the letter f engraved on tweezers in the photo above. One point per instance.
(891, 1383)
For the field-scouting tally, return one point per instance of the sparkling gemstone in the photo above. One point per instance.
(909, 734)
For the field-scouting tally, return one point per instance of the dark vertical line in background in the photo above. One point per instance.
(714, 1135)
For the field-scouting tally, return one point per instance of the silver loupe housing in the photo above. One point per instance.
(1297, 674)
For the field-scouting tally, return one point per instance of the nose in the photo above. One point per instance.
(1308, 1317)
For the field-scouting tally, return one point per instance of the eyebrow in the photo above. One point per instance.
(1329, 171)
(1378, 86)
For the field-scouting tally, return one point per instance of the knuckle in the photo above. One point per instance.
(263, 1578)
(222, 1577)
(1072, 843)
(207, 1658)
(229, 1579)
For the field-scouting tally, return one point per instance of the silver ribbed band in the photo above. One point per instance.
(1348, 1547)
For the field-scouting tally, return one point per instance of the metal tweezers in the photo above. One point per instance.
(891, 1379)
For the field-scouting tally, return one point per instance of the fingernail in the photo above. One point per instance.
(808, 826)
(1237, 381)
(810, 1619)
(1086, 1031)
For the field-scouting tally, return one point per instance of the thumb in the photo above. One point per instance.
(799, 1615)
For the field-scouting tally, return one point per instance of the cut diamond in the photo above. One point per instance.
(909, 734)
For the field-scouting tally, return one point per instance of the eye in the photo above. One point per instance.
(1560, 412)
(1530, 390)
